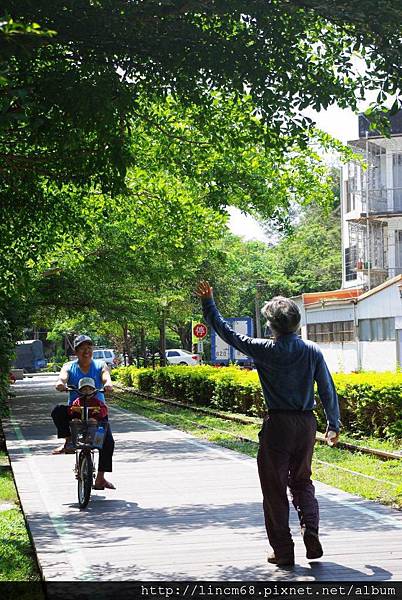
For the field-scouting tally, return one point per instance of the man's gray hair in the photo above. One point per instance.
(282, 314)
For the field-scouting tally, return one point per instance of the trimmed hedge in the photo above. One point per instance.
(371, 403)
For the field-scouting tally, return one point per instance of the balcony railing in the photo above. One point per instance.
(385, 201)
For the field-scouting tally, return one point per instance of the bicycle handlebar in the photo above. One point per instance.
(73, 388)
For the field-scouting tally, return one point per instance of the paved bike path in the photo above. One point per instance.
(183, 509)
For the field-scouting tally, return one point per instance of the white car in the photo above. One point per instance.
(175, 356)
(105, 354)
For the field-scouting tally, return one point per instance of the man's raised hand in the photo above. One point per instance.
(204, 290)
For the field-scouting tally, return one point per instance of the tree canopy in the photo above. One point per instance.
(74, 75)
(86, 84)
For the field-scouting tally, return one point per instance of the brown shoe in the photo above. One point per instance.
(282, 561)
(312, 542)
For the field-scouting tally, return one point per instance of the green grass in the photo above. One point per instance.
(373, 442)
(386, 487)
(7, 488)
(17, 559)
(17, 562)
(3, 459)
(388, 491)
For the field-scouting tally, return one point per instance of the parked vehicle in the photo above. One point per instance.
(176, 356)
(107, 355)
(29, 356)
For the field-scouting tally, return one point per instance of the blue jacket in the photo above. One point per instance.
(287, 368)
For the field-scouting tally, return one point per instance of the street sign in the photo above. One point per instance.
(200, 330)
(221, 352)
(200, 347)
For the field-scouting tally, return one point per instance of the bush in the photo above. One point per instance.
(126, 375)
(239, 391)
(230, 389)
(6, 350)
(370, 403)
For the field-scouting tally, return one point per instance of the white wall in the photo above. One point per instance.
(340, 357)
(330, 314)
(378, 356)
(374, 356)
(385, 303)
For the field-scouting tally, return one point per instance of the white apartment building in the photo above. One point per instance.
(371, 208)
(359, 327)
(356, 330)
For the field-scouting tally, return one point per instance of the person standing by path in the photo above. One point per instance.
(71, 373)
(287, 367)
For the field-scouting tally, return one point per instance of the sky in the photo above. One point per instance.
(340, 123)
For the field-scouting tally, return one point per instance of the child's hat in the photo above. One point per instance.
(86, 381)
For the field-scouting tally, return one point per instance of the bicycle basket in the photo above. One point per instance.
(77, 429)
(90, 433)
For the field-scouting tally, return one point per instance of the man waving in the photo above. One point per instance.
(287, 367)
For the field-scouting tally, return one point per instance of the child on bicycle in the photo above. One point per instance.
(97, 410)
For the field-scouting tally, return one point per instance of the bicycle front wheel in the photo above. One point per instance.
(85, 476)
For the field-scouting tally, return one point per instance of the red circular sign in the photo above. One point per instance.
(200, 330)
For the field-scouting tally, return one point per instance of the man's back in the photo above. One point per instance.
(287, 367)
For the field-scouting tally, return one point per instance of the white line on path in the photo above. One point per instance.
(74, 556)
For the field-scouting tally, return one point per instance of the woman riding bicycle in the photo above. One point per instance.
(70, 374)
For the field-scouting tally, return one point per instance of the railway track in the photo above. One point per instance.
(128, 393)
(253, 420)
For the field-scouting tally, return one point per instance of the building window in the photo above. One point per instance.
(377, 330)
(398, 251)
(354, 175)
(350, 263)
(348, 197)
(397, 181)
(338, 331)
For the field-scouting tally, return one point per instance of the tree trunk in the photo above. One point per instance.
(126, 345)
(162, 339)
(184, 332)
(143, 347)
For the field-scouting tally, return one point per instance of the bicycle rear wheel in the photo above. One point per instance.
(85, 476)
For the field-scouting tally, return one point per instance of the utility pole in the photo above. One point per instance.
(259, 284)
(162, 333)
(367, 216)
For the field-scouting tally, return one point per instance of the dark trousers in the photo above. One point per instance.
(284, 460)
(62, 421)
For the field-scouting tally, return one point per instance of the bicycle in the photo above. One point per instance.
(83, 436)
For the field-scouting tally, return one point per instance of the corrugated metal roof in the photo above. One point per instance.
(331, 298)
(331, 302)
(319, 297)
(381, 287)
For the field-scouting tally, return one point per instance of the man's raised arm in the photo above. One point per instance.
(243, 343)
